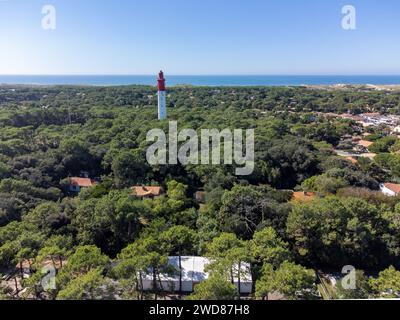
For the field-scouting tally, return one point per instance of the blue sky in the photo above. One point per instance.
(200, 37)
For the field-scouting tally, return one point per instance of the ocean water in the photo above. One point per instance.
(173, 80)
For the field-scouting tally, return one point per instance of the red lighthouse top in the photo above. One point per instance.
(161, 81)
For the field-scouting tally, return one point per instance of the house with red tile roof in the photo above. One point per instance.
(352, 160)
(77, 183)
(390, 189)
(147, 191)
(365, 143)
(301, 196)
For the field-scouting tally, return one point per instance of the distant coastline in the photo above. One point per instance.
(204, 80)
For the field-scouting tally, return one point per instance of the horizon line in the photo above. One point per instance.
(206, 75)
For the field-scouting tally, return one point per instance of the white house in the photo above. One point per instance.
(390, 189)
(193, 272)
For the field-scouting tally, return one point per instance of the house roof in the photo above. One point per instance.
(352, 117)
(365, 143)
(371, 114)
(200, 195)
(301, 196)
(356, 138)
(27, 263)
(368, 155)
(81, 182)
(393, 187)
(145, 191)
(352, 160)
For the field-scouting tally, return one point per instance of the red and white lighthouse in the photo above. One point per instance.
(162, 97)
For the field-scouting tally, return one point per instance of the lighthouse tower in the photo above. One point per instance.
(162, 97)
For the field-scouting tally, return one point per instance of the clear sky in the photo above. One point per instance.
(200, 37)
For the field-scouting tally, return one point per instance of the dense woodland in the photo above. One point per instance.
(110, 237)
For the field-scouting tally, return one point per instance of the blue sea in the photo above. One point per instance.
(203, 80)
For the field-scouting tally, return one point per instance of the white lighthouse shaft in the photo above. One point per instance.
(162, 105)
(162, 97)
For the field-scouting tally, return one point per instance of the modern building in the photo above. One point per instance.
(193, 272)
(162, 97)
